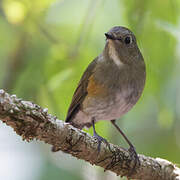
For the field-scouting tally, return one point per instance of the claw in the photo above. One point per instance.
(100, 140)
(134, 156)
(131, 150)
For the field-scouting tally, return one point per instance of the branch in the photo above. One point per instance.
(33, 122)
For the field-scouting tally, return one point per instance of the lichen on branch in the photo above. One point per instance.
(31, 121)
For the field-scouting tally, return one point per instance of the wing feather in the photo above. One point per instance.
(80, 92)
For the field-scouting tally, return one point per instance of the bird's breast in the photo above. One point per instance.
(113, 105)
(112, 95)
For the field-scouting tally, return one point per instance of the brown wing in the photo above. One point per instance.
(81, 92)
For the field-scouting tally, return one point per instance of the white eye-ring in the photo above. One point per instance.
(128, 40)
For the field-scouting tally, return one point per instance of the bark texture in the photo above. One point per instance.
(33, 122)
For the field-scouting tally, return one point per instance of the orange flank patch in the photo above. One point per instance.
(95, 89)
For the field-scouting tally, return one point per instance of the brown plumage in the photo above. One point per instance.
(111, 85)
(114, 79)
(80, 93)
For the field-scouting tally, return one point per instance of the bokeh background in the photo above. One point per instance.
(45, 45)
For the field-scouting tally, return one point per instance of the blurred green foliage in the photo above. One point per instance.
(46, 45)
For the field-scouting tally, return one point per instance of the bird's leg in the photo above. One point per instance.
(131, 149)
(99, 138)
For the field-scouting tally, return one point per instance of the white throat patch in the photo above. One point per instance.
(114, 56)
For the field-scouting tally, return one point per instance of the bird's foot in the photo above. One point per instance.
(100, 140)
(135, 157)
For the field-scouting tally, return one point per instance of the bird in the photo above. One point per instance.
(111, 85)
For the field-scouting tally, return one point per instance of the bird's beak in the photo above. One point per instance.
(109, 36)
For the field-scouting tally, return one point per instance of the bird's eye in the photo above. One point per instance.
(128, 40)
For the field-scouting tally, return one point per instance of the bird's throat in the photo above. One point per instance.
(113, 54)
